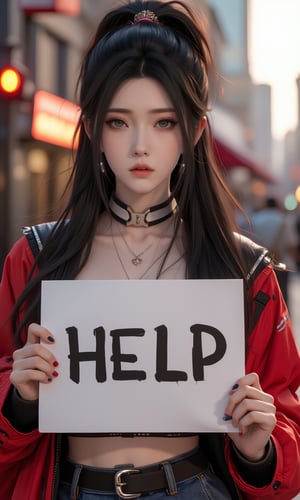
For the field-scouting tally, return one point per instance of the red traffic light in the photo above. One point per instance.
(11, 82)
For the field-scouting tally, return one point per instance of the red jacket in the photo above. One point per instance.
(27, 461)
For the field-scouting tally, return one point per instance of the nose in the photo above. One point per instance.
(140, 153)
(140, 146)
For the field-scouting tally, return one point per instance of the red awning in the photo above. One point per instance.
(228, 158)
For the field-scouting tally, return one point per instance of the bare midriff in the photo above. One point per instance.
(108, 452)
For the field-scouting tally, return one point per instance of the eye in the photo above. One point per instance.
(115, 123)
(166, 123)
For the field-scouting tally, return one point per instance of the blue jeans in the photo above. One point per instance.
(204, 486)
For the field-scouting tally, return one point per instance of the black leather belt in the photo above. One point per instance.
(133, 482)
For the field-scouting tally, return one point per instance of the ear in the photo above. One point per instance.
(86, 125)
(200, 129)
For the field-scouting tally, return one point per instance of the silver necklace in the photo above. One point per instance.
(163, 271)
(123, 266)
(136, 260)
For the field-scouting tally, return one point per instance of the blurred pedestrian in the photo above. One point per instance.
(274, 228)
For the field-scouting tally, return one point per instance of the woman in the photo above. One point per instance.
(147, 202)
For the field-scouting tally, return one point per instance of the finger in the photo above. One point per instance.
(32, 350)
(248, 406)
(34, 363)
(251, 379)
(20, 378)
(266, 421)
(246, 393)
(250, 393)
(36, 333)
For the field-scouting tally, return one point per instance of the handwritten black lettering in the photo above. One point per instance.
(198, 360)
(77, 357)
(117, 357)
(162, 373)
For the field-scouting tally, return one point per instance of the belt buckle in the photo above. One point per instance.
(119, 483)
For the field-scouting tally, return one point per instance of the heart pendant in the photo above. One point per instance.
(136, 261)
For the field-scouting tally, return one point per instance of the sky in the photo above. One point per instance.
(274, 56)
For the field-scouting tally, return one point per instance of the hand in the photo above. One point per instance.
(33, 363)
(253, 413)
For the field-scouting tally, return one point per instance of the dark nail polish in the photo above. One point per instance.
(234, 387)
(49, 379)
(55, 363)
(51, 339)
(227, 417)
(55, 374)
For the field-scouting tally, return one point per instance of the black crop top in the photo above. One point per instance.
(133, 434)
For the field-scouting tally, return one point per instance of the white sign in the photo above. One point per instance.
(142, 356)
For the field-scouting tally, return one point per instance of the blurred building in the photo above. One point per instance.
(260, 122)
(233, 66)
(248, 102)
(291, 178)
(242, 109)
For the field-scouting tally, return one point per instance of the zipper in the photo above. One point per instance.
(57, 453)
(260, 262)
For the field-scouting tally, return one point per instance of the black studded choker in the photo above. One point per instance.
(153, 215)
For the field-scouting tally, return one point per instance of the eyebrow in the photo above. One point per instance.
(152, 111)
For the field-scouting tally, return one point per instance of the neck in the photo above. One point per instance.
(150, 217)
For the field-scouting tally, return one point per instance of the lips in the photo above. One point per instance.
(141, 168)
(141, 171)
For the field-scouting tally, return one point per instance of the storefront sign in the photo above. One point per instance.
(69, 7)
(54, 119)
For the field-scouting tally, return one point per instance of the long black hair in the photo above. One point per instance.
(174, 52)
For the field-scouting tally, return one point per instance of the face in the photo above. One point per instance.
(141, 141)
